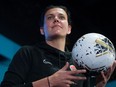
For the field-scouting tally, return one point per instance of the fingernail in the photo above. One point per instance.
(72, 68)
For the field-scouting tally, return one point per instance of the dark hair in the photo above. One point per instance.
(55, 6)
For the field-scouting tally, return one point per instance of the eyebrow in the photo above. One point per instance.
(53, 14)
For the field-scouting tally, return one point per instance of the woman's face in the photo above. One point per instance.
(55, 24)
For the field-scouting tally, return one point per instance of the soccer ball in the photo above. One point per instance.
(94, 52)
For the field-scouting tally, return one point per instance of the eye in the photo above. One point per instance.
(50, 17)
(62, 17)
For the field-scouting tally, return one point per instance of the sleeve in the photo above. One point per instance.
(18, 69)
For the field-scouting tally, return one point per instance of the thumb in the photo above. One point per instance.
(65, 66)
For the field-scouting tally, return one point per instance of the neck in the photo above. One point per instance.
(57, 43)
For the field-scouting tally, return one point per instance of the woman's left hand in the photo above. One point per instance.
(103, 78)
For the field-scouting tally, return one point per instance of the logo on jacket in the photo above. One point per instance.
(46, 62)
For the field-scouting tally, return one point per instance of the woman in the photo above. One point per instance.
(47, 64)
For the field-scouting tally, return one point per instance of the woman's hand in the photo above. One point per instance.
(64, 78)
(103, 78)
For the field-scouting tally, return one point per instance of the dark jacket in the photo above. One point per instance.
(32, 63)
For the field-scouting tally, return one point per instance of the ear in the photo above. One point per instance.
(42, 30)
(69, 29)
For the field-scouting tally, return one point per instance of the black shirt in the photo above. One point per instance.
(32, 63)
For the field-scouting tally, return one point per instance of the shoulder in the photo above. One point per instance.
(26, 54)
(27, 48)
(25, 51)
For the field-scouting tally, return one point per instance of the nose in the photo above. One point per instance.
(56, 19)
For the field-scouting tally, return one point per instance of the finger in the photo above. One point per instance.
(110, 70)
(67, 85)
(70, 82)
(103, 76)
(72, 68)
(108, 73)
(65, 67)
(114, 65)
(74, 72)
(78, 78)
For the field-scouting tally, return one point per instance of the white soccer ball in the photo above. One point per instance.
(94, 52)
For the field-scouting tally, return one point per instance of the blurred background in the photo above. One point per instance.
(19, 24)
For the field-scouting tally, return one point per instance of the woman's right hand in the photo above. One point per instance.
(64, 78)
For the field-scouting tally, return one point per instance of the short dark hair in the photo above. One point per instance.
(55, 6)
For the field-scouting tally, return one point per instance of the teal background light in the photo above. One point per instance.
(111, 84)
(7, 50)
(7, 47)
